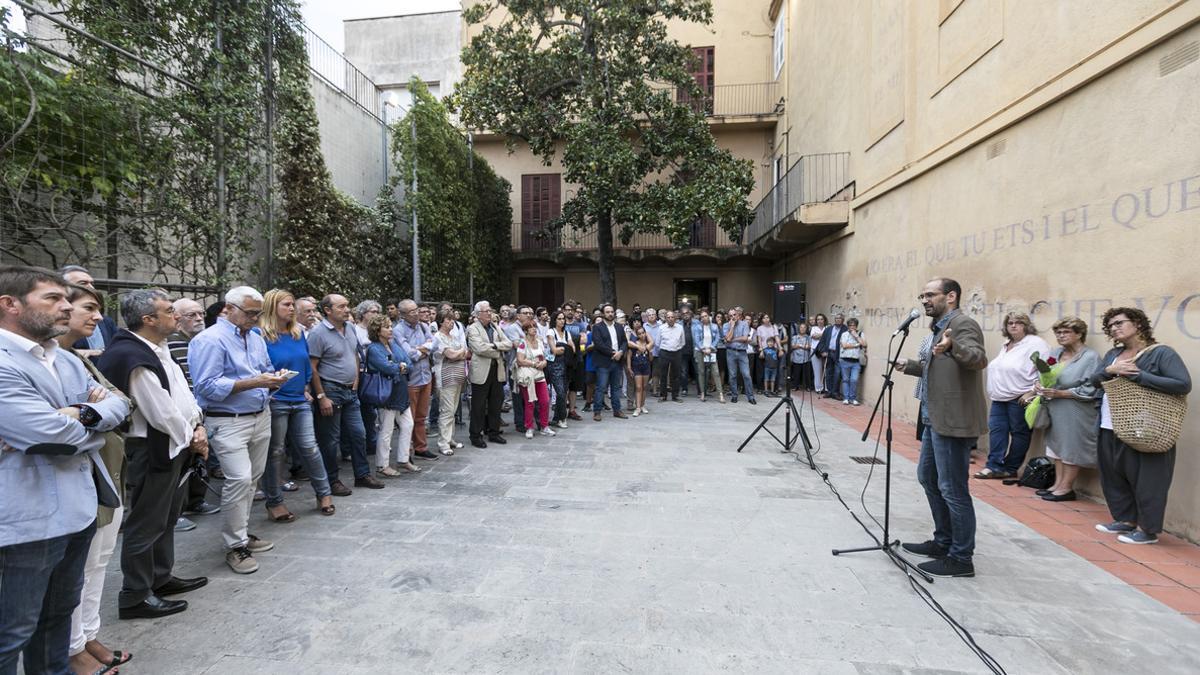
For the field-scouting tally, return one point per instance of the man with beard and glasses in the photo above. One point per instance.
(51, 473)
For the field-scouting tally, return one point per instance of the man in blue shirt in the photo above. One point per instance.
(737, 335)
(233, 379)
(414, 336)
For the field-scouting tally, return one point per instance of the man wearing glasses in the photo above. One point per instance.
(233, 379)
(954, 413)
(189, 321)
(488, 374)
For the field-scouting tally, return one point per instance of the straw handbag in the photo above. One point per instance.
(1145, 419)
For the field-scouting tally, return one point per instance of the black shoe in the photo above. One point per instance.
(929, 549)
(497, 439)
(676, 400)
(1042, 493)
(733, 399)
(338, 489)
(479, 443)
(425, 454)
(153, 607)
(947, 567)
(368, 481)
(753, 402)
(1068, 497)
(177, 586)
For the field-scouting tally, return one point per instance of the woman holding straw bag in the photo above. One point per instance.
(1136, 479)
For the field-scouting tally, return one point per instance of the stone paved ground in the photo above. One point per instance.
(646, 546)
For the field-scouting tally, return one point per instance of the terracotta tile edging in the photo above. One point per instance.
(1169, 572)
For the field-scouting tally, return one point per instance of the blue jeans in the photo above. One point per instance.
(610, 377)
(345, 425)
(942, 470)
(739, 364)
(1007, 419)
(849, 370)
(293, 421)
(40, 585)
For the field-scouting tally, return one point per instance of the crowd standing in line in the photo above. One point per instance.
(193, 411)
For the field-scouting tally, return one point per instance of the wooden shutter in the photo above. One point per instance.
(541, 202)
(704, 72)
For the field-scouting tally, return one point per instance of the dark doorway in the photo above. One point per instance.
(696, 292)
(540, 291)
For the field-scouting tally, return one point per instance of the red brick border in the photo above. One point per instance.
(1168, 572)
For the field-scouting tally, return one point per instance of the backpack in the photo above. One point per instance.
(1038, 474)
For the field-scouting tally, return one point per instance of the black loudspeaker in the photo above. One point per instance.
(789, 301)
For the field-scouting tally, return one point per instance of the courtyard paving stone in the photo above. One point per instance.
(648, 545)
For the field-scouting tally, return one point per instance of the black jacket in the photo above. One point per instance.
(123, 355)
(602, 347)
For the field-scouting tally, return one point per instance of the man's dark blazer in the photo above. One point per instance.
(602, 348)
(828, 344)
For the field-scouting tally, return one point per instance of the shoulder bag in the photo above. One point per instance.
(1147, 420)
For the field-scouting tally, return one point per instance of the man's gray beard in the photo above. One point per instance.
(41, 327)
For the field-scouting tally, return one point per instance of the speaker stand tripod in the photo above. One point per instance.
(790, 414)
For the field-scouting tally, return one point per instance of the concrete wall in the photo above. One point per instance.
(1043, 154)
(390, 50)
(352, 141)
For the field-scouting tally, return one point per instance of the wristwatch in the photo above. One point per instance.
(88, 416)
(320, 396)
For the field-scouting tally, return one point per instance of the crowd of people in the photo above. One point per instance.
(190, 411)
(957, 407)
(194, 411)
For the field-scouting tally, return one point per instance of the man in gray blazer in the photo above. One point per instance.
(51, 474)
(954, 414)
(489, 347)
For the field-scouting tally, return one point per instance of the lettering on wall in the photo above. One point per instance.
(1172, 313)
(1134, 210)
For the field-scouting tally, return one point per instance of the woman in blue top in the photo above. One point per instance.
(291, 406)
(388, 359)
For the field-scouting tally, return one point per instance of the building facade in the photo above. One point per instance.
(1043, 154)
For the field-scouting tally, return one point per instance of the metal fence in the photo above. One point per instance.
(731, 100)
(812, 179)
(330, 65)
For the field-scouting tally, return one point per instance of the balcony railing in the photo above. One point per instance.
(732, 100)
(704, 234)
(812, 179)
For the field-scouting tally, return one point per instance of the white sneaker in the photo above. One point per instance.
(548, 432)
(846, 402)
(637, 412)
(644, 411)
(856, 402)
(529, 433)
(562, 424)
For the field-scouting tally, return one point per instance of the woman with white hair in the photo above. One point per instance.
(1010, 375)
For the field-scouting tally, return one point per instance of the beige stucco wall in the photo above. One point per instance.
(1066, 200)
(652, 285)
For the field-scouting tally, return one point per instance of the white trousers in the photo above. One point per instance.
(85, 620)
(242, 444)
(818, 366)
(389, 445)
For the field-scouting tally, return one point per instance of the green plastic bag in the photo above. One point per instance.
(1048, 377)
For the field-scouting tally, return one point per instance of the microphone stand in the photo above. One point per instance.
(886, 544)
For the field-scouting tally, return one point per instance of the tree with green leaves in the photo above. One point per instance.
(599, 78)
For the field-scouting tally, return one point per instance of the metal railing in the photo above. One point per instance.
(704, 234)
(812, 179)
(330, 65)
(729, 100)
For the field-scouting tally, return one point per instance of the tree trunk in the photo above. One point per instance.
(604, 245)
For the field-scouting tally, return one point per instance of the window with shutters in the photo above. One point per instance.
(779, 39)
(704, 73)
(541, 202)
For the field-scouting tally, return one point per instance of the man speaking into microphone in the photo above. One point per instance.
(954, 414)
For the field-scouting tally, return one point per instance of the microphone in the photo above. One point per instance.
(912, 316)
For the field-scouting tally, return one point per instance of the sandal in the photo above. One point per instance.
(326, 509)
(286, 517)
(388, 472)
(411, 468)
